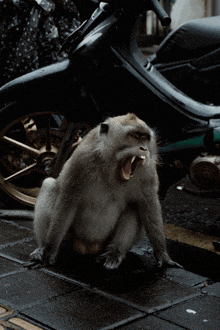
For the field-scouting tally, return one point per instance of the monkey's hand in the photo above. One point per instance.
(42, 256)
(37, 255)
(111, 259)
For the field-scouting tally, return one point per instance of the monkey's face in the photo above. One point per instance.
(135, 153)
(130, 142)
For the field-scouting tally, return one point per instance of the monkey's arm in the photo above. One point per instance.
(151, 217)
(62, 218)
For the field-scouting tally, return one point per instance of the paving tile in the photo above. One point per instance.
(7, 266)
(10, 232)
(190, 211)
(199, 261)
(30, 286)
(151, 323)
(148, 294)
(20, 323)
(86, 269)
(20, 251)
(183, 276)
(81, 310)
(214, 289)
(5, 311)
(21, 217)
(200, 313)
(25, 223)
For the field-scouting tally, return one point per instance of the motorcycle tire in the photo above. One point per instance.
(29, 139)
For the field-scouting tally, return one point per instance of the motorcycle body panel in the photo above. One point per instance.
(137, 85)
(109, 64)
(53, 88)
(189, 58)
(37, 83)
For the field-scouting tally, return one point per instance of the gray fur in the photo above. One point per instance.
(104, 213)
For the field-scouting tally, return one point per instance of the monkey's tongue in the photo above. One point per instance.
(127, 169)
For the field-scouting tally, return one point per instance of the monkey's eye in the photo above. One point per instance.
(140, 136)
(146, 136)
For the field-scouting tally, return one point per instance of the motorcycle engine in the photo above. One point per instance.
(205, 172)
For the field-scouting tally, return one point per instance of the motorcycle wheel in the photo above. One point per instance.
(27, 143)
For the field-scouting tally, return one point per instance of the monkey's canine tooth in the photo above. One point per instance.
(144, 159)
(125, 176)
(133, 159)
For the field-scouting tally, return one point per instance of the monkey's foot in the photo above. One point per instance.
(168, 264)
(173, 264)
(52, 260)
(37, 255)
(112, 259)
(32, 265)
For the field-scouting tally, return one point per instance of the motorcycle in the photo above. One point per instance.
(45, 114)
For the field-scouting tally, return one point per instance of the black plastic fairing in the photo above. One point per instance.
(150, 76)
(38, 83)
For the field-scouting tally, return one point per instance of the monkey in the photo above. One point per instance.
(105, 198)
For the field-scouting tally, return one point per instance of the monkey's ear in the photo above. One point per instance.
(104, 128)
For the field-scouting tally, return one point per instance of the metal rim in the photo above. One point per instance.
(26, 143)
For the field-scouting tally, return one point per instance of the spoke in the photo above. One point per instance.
(20, 173)
(22, 146)
(48, 143)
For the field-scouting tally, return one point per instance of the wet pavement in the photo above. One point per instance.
(80, 294)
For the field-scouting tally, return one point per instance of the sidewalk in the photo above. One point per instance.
(84, 296)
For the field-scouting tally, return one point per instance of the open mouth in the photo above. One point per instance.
(130, 165)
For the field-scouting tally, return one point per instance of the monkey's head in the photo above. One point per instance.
(128, 142)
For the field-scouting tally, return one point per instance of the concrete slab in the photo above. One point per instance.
(193, 212)
(23, 223)
(86, 269)
(199, 220)
(20, 251)
(82, 310)
(7, 266)
(21, 218)
(199, 261)
(182, 276)
(149, 295)
(17, 323)
(5, 311)
(17, 214)
(151, 323)
(10, 233)
(201, 313)
(191, 237)
(104, 300)
(213, 289)
(30, 286)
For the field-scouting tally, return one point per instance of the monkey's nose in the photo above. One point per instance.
(143, 149)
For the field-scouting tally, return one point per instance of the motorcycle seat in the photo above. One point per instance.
(191, 40)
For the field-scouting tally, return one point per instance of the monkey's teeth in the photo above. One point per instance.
(133, 159)
(144, 159)
(125, 176)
